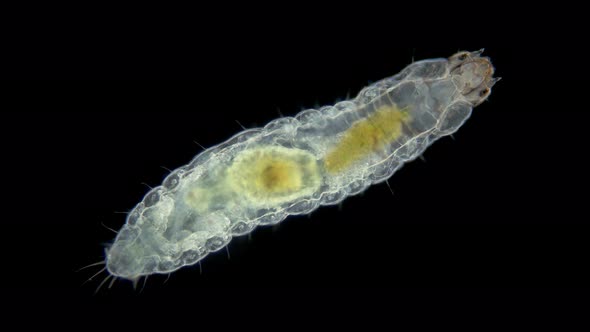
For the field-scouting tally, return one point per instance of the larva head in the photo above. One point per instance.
(472, 75)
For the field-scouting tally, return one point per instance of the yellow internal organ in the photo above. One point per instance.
(272, 175)
(365, 137)
(279, 176)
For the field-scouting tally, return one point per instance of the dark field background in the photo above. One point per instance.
(502, 207)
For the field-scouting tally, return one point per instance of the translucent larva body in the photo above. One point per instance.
(295, 164)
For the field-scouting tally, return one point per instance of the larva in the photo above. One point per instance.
(295, 164)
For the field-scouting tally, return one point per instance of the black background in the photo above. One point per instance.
(500, 206)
